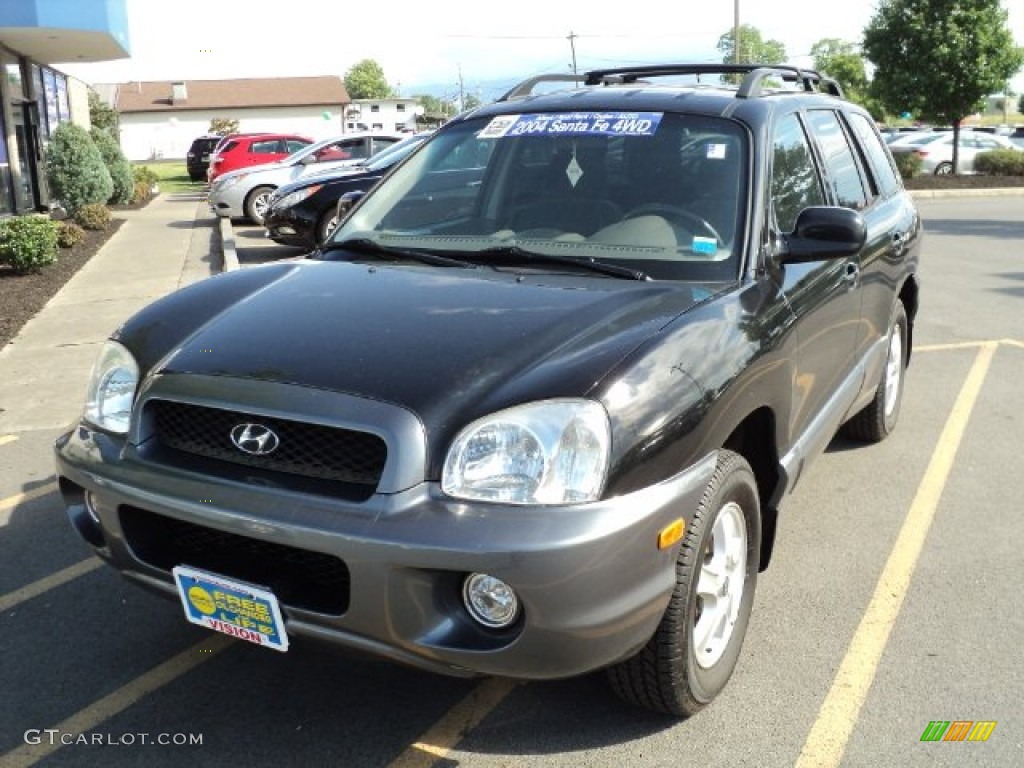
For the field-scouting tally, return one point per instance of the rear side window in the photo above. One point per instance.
(795, 183)
(228, 147)
(840, 163)
(878, 155)
(265, 147)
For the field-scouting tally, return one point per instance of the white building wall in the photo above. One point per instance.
(382, 114)
(162, 135)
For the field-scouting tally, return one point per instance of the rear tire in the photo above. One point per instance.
(944, 169)
(256, 203)
(877, 421)
(694, 650)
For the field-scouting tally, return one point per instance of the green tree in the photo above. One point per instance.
(939, 59)
(117, 165)
(472, 101)
(843, 62)
(365, 80)
(102, 115)
(754, 49)
(223, 126)
(75, 169)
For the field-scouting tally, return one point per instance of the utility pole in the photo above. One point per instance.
(572, 46)
(462, 91)
(736, 32)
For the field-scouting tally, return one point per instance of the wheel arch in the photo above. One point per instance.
(754, 438)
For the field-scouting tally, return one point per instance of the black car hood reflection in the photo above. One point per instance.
(431, 339)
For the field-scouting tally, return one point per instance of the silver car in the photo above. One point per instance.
(245, 192)
(936, 149)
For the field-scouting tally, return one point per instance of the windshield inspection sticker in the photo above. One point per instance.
(573, 124)
(705, 245)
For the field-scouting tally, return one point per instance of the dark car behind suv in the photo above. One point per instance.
(197, 160)
(534, 408)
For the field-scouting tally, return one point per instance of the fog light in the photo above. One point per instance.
(90, 506)
(490, 601)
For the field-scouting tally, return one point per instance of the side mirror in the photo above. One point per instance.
(824, 232)
(308, 159)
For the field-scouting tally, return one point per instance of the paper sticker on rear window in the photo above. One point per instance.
(573, 124)
(716, 151)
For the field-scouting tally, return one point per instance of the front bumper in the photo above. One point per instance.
(229, 203)
(591, 580)
(290, 226)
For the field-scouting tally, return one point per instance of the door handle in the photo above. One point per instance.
(851, 273)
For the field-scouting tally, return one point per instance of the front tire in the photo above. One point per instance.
(326, 226)
(256, 203)
(944, 169)
(694, 650)
(877, 421)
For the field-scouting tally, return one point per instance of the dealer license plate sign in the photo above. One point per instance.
(232, 607)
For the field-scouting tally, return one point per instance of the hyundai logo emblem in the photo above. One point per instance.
(255, 439)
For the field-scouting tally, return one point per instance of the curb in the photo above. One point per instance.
(227, 243)
(920, 194)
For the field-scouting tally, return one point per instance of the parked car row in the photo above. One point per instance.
(935, 148)
(305, 212)
(245, 191)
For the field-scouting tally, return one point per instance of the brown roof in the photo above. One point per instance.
(224, 94)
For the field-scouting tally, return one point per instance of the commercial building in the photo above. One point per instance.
(35, 95)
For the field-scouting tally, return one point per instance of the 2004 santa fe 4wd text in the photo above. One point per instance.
(532, 409)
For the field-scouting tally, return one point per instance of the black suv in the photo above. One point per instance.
(198, 158)
(532, 410)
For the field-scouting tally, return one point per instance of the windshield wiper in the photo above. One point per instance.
(366, 245)
(514, 254)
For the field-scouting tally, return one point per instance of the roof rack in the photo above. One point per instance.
(526, 87)
(751, 87)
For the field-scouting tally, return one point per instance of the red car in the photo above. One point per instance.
(243, 149)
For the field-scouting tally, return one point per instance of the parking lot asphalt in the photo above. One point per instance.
(892, 600)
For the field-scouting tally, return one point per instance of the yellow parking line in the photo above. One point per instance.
(827, 739)
(6, 505)
(443, 735)
(953, 346)
(1013, 343)
(5, 439)
(52, 581)
(114, 703)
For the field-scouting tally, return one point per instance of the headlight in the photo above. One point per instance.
(296, 197)
(549, 452)
(230, 181)
(111, 392)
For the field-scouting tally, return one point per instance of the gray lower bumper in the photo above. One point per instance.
(591, 579)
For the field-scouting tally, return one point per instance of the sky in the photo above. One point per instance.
(488, 47)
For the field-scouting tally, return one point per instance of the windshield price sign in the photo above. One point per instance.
(573, 124)
(236, 609)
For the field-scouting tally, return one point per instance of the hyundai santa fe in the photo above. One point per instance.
(534, 407)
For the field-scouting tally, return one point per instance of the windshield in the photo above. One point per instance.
(660, 193)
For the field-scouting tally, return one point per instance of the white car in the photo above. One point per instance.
(936, 149)
(245, 192)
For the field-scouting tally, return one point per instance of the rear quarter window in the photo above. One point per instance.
(878, 156)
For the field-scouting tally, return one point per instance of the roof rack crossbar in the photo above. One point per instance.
(754, 76)
(525, 88)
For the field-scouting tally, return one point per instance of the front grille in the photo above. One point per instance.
(299, 578)
(309, 450)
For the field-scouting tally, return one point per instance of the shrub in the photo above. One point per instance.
(145, 174)
(95, 216)
(69, 234)
(75, 170)
(908, 164)
(141, 192)
(117, 165)
(1000, 162)
(28, 243)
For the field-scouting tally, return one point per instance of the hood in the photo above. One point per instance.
(445, 343)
